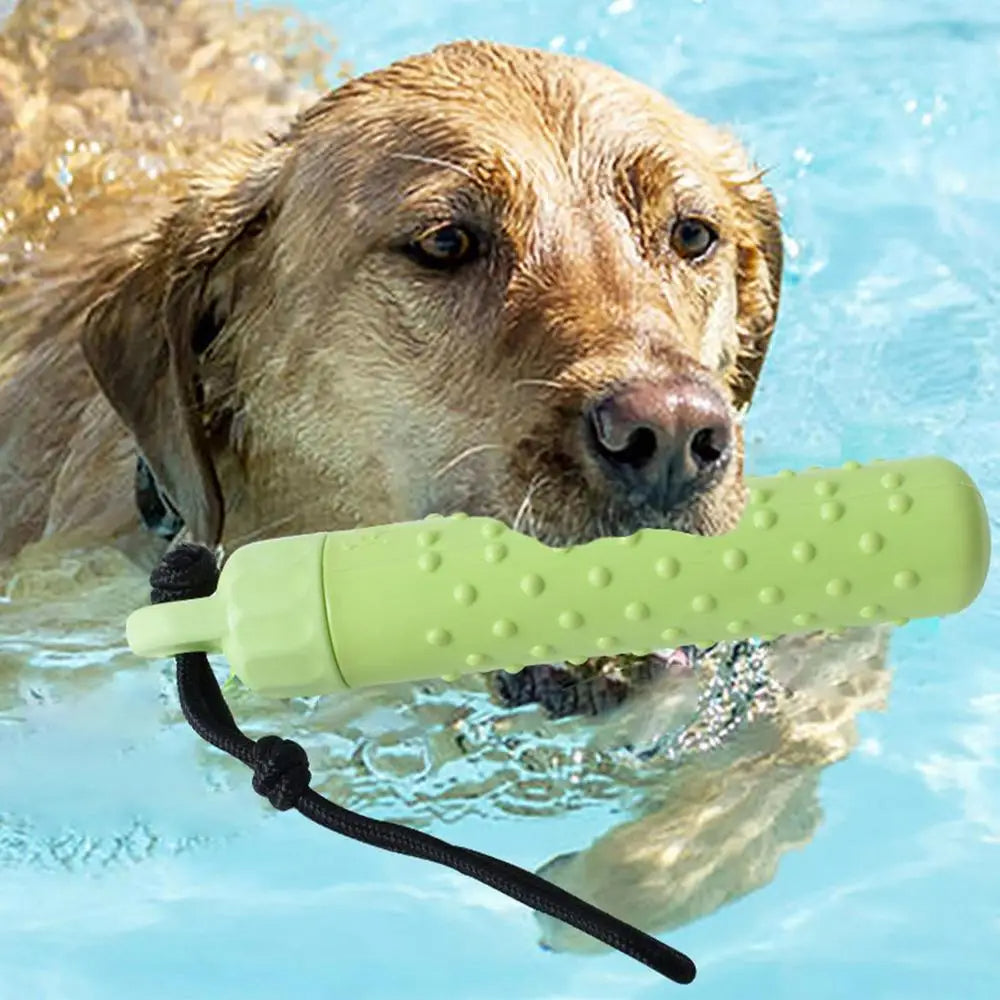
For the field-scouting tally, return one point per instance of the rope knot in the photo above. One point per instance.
(185, 572)
(280, 771)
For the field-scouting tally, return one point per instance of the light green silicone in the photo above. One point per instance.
(824, 549)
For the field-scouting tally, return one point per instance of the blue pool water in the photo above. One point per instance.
(880, 122)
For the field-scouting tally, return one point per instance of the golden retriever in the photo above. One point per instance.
(486, 278)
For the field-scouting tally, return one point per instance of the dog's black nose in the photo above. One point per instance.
(662, 442)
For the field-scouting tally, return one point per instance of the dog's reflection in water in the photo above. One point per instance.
(724, 819)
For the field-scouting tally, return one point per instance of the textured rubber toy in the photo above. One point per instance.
(824, 549)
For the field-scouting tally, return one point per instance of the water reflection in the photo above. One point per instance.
(716, 827)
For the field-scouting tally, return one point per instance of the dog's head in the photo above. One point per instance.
(485, 279)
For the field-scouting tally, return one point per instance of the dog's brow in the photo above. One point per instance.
(650, 174)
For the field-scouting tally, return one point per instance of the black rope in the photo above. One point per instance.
(281, 774)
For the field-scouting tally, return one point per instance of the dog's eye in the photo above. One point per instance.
(444, 247)
(692, 238)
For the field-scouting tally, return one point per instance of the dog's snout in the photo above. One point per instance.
(662, 441)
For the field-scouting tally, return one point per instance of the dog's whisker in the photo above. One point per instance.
(540, 383)
(266, 529)
(434, 162)
(462, 456)
(524, 511)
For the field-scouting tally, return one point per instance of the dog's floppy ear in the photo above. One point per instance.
(760, 260)
(156, 311)
(759, 265)
(759, 291)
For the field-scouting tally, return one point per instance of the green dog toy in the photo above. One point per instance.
(824, 549)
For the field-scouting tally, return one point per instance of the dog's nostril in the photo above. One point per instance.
(709, 445)
(639, 450)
